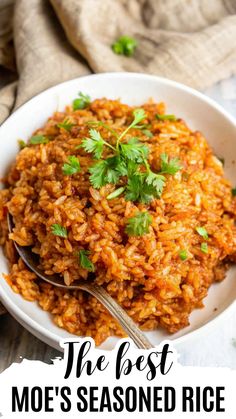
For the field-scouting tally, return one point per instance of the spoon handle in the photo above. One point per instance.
(119, 314)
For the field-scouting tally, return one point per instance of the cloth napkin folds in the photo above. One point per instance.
(45, 42)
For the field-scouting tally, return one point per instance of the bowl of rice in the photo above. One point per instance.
(127, 180)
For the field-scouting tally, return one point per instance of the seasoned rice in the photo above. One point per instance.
(144, 274)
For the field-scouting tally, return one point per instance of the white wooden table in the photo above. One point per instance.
(218, 349)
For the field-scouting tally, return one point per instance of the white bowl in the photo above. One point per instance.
(200, 112)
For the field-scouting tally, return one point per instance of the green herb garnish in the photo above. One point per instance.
(163, 117)
(157, 181)
(72, 167)
(107, 171)
(22, 144)
(139, 224)
(81, 102)
(39, 139)
(85, 262)
(115, 193)
(139, 115)
(134, 150)
(204, 247)
(171, 166)
(104, 125)
(129, 159)
(66, 125)
(144, 128)
(139, 190)
(94, 144)
(125, 45)
(58, 230)
(183, 254)
(147, 132)
(111, 169)
(202, 232)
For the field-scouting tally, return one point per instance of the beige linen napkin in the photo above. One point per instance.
(54, 40)
(189, 41)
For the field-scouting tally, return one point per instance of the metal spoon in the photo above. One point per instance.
(97, 291)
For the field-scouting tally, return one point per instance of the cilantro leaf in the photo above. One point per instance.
(139, 115)
(157, 181)
(98, 174)
(171, 166)
(125, 45)
(147, 132)
(66, 124)
(72, 167)
(162, 117)
(39, 139)
(138, 190)
(131, 168)
(202, 232)
(81, 102)
(134, 187)
(204, 247)
(93, 144)
(134, 150)
(115, 193)
(104, 125)
(85, 262)
(122, 166)
(112, 174)
(233, 191)
(58, 230)
(107, 171)
(139, 224)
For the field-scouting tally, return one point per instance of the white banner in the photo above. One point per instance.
(89, 382)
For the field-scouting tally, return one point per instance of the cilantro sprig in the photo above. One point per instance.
(107, 171)
(169, 166)
(95, 143)
(97, 124)
(139, 224)
(138, 189)
(72, 167)
(125, 45)
(134, 150)
(59, 230)
(81, 102)
(85, 262)
(39, 139)
(139, 115)
(66, 124)
(130, 157)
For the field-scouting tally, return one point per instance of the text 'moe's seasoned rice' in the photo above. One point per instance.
(146, 274)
